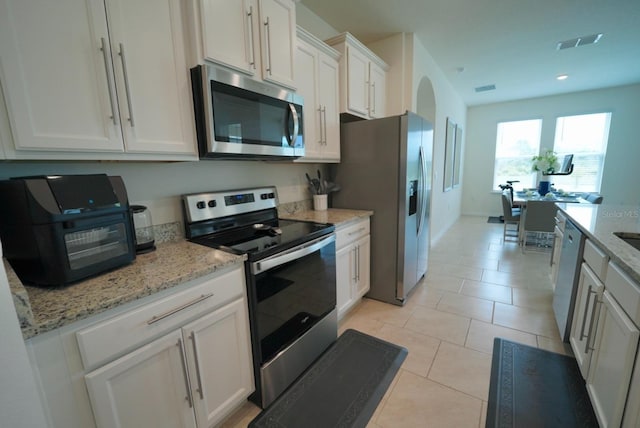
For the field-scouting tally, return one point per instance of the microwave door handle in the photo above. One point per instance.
(296, 125)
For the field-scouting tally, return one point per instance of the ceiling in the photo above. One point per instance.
(507, 43)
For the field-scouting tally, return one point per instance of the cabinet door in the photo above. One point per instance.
(612, 362)
(329, 99)
(363, 253)
(278, 40)
(227, 33)
(153, 86)
(345, 277)
(306, 78)
(357, 82)
(58, 84)
(219, 361)
(377, 91)
(583, 326)
(146, 388)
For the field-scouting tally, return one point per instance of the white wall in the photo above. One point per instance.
(621, 173)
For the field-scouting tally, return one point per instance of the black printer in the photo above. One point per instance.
(58, 229)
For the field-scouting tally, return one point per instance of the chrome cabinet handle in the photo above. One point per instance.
(105, 55)
(126, 84)
(324, 122)
(588, 347)
(268, 44)
(373, 86)
(358, 263)
(320, 114)
(186, 375)
(355, 265)
(195, 357)
(154, 319)
(586, 311)
(355, 232)
(252, 59)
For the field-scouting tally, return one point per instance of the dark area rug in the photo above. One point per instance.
(531, 387)
(495, 220)
(342, 388)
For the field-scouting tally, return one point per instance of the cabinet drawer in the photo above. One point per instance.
(352, 232)
(106, 340)
(625, 290)
(596, 259)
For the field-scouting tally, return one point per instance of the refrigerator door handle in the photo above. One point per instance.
(422, 193)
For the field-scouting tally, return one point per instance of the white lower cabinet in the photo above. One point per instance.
(146, 388)
(353, 252)
(590, 290)
(612, 362)
(181, 359)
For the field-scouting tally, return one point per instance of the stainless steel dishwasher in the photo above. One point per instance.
(564, 296)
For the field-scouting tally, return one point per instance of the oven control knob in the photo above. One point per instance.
(272, 195)
(212, 203)
(264, 196)
(201, 205)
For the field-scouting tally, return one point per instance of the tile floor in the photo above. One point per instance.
(477, 288)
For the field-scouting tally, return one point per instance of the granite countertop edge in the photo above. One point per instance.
(598, 222)
(42, 309)
(339, 217)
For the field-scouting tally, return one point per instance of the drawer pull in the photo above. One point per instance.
(588, 346)
(586, 312)
(355, 232)
(157, 318)
(184, 372)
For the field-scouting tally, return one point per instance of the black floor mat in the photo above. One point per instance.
(531, 387)
(342, 388)
(495, 220)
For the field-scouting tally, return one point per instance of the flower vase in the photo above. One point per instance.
(543, 187)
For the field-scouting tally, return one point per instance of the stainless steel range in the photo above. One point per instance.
(291, 279)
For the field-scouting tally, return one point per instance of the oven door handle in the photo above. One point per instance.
(291, 254)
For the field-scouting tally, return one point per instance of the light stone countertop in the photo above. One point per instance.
(173, 263)
(336, 216)
(598, 222)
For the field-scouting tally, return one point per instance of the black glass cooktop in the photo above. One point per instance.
(262, 240)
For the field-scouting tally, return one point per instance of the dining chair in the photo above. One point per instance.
(511, 217)
(594, 198)
(539, 218)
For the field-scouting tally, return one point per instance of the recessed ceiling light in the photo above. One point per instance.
(562, 76)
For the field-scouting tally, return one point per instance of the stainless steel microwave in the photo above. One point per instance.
(238, 117)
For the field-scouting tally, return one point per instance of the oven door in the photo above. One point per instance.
(294, 290)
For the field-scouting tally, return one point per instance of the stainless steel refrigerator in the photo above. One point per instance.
(386, 166)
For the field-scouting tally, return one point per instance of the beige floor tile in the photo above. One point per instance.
(467, 306)
(422, 349)
(534, 321)
(457, 271)
(383, 312)
(450, 327)
(482, 262)
(418, 402)
(462, 369)
(484, 290)
(359, 322)
(535, 299)
(424, 295)
(508, 279)
(443, 282)
(242, 417)
(481, 336)
(555, 345)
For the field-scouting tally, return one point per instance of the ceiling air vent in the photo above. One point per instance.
(485, 88)
(579, 41)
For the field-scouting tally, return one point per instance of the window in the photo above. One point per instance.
(585, 136)
(516, 144)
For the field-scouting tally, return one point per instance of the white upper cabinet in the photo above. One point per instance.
(256, 37)
(317, 77)
(89, 77)
(362, 78)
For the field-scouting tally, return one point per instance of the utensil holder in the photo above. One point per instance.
(320, 202)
